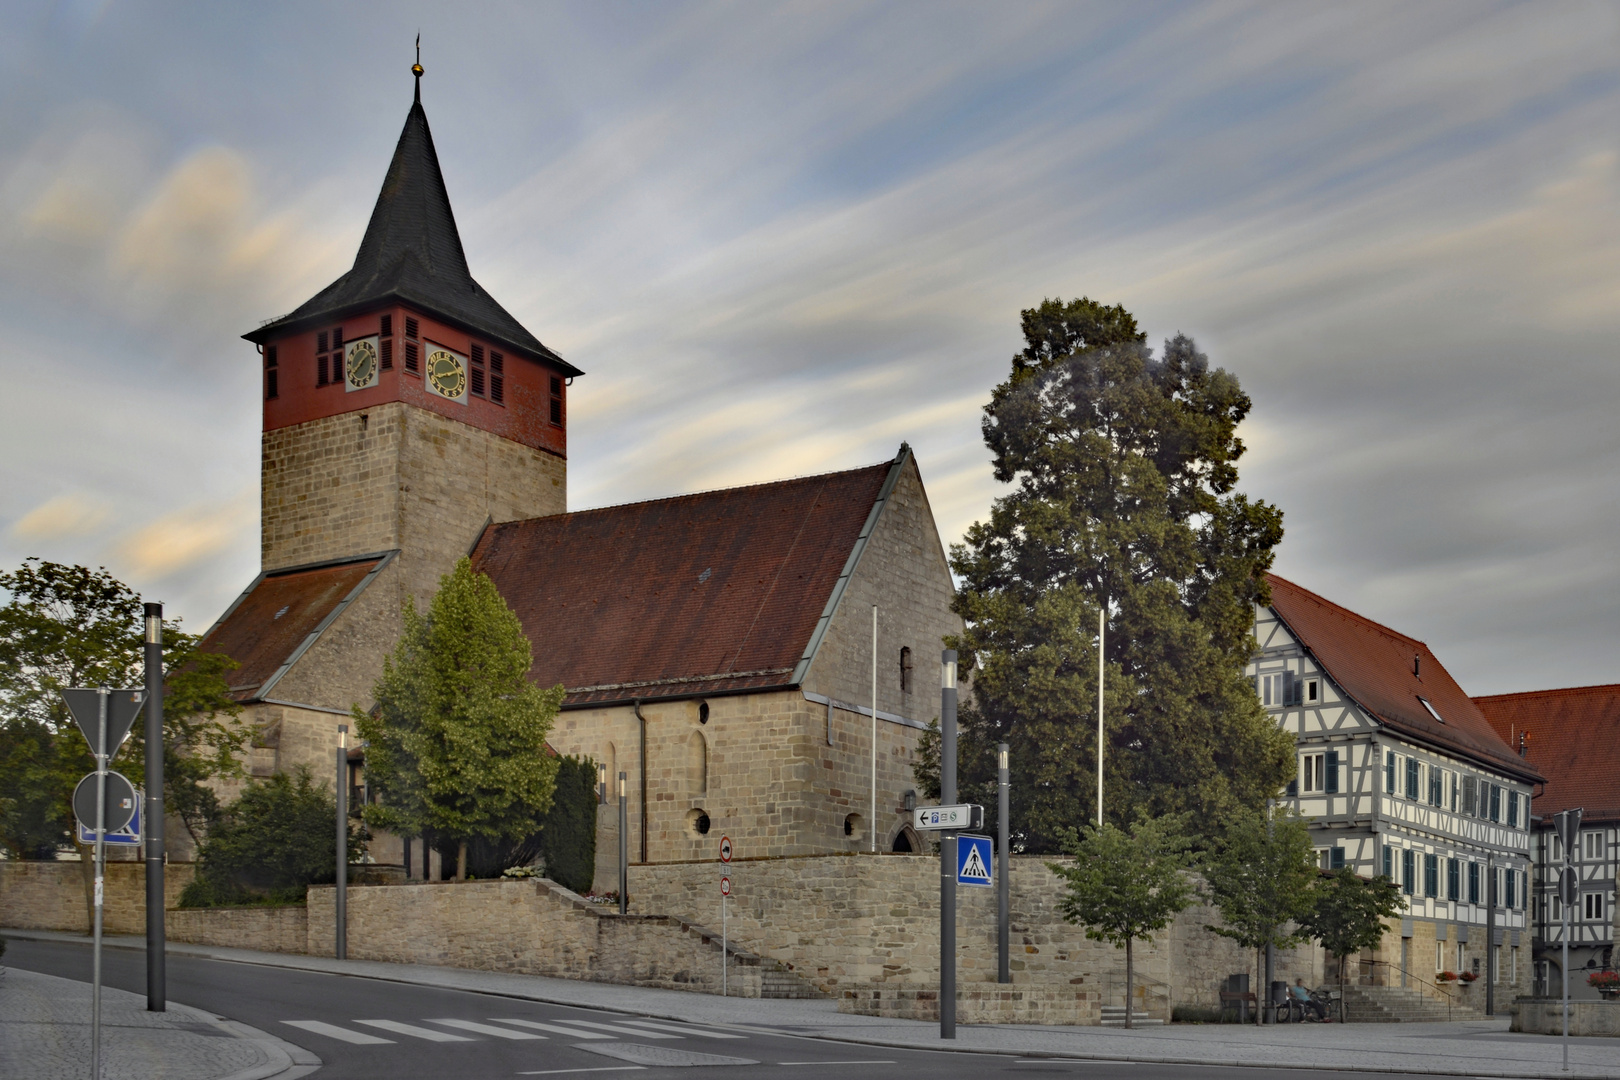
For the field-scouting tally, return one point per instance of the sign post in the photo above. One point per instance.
(104, 716)
(156, 968)
(1004, 886)
(1569, 832)
(725, 891)
(947, 847)
(340, 913)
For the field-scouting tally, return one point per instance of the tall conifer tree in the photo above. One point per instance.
(1124, 466)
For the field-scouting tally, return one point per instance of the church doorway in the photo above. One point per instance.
(907, 841)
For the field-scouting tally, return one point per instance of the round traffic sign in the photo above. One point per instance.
(725, 849)
(725, 886)
(120, 805)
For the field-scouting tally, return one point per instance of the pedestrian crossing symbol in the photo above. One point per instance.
(973, 861)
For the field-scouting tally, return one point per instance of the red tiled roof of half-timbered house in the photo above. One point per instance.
(1374, 666)
(1573, 737)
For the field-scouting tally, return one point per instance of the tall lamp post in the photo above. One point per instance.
(156, 991)
(1004, 883)
(947, 847)
(341, 944)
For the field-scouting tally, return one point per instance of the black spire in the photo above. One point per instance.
(412, 253)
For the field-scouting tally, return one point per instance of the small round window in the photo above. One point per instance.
(854, 827)
(697, 822)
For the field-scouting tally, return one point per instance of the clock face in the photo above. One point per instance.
(360, 364)
(447, 375)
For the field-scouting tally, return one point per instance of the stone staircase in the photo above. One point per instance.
(1114, 1016)
(779, 981)
(1395, 1005)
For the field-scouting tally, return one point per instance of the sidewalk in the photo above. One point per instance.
(45, 1035)
(1470, 1048)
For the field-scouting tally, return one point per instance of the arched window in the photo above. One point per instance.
(698, 762)
(905, 670)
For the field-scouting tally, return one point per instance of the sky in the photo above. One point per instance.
(782, 238)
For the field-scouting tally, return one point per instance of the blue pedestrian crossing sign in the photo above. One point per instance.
(973, 861)
(129, 835)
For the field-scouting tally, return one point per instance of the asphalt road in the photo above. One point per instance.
(365, 1029)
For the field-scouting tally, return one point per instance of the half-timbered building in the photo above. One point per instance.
(1400, 774)
(1573, 737)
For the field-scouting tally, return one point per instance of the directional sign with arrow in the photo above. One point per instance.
(123, 706)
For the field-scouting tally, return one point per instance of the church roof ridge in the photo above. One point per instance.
(412, 253)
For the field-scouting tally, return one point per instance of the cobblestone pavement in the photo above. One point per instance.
(45, 1035)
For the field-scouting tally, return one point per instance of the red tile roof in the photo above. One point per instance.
(276, 615)
(1573, 738)
(698, 594)
(1373, 665)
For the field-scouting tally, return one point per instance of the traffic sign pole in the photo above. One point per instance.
(1004, 886)
(725, 892)
(100, 869)
(947, 848)
(156, 972)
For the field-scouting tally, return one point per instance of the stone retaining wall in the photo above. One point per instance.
(1544, 1016)
(867, 922)
(272, 929)
(52, 895)
(983, 1003)
(530, 927)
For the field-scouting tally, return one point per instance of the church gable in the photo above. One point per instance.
(718, 592)
(282, 615)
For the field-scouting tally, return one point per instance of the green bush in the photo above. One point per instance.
(268, 846)
(568, 838)
(1199, 1014)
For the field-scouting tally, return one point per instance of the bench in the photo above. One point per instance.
(1242, 1001)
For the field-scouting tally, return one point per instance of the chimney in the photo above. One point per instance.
(1417, 660)
(1524, 743)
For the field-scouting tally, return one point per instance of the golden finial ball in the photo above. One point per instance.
(416, 69)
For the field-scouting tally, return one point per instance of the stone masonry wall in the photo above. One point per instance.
(52, 895)
(760, 768)
(903, 571)
(330, 487)
(855, 923)
(269, 929)
(529, 927)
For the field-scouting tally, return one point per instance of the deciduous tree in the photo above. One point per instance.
(1125, 887)
(1348, 914)
(1124, 466)
(458, 734)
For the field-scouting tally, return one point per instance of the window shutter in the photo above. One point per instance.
(556, 414)
(320, 346)
(385, 350)
(320, 369)
(410, 358)
(1290, 693)
(385, 326)
(269, 356)
(410, 328)
(337, 339)
(270, 392)
(1332, 785)
(497, 380)
(1336, 860)
(1293, 789)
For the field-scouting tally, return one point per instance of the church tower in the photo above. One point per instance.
(403, 407)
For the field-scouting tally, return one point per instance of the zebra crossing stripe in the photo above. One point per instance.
(415, 1032)
(487, 1029)
(681, 1030)
(572, 1033)
(639, 1033)
(332, 1031)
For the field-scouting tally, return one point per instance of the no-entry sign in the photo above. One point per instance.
(725, 849)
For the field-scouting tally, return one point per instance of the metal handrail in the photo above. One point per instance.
(1439, 991)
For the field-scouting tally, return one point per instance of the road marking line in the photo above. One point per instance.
(573, 1033)
(602, 1068)
(680, 1030)
(835, 1062)
(359, 1038)
(622, 1030)
(415, 1032)
(487, 1029)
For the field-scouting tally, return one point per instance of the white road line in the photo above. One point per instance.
(600, 1068)
(681, 1030)
(415, 1032)
(623, 1030)
(835, 1063)
(573, 1033)
(487, 1029)
(332, 1031)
